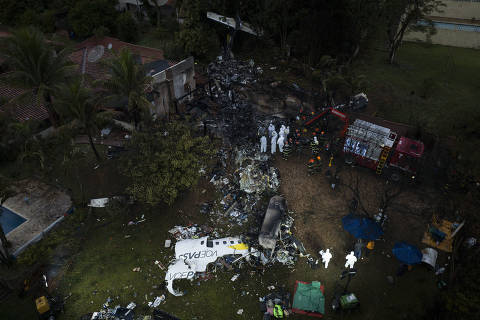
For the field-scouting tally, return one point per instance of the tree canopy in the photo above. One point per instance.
(87, 16)
(128, 81)
(80, 105)
(35, 66)
(163, 163)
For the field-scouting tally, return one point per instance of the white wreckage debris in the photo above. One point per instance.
(255, 180)
(103, 202)
(98, 203)
(194, 255)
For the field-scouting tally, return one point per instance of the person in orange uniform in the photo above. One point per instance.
(370, 246)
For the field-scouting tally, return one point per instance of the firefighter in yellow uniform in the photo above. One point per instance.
(278, 312)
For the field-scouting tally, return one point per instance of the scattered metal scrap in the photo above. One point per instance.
(127, 313)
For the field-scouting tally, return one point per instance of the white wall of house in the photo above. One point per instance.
(172, 84)
(454, 38)
(462, 9)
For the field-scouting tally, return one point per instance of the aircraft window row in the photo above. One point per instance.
(218, 242)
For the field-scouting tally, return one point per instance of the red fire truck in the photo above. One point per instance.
(381, 149)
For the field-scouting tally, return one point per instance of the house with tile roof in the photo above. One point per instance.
(173, 81)
(28, 109)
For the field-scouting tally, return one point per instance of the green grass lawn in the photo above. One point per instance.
(104, 267)
(430, 85)
(109, 249)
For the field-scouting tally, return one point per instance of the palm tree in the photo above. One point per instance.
(36, 66)
(77, 103)
(127, 80)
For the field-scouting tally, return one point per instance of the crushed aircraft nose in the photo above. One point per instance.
(194, 255)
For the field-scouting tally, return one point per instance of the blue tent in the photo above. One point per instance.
(361, 227)
(407, 253)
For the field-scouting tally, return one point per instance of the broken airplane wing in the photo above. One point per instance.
(245, 27)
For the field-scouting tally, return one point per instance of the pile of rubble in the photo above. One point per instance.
(190, 232)
(117, 312)
(228, 72)
(236, 118)
(244, 177)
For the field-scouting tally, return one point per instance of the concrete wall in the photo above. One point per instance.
(182, 74)
(163, 98)
(460, 10)
(172, 84)
(454, 38)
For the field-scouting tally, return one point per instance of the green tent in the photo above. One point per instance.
(309, 299)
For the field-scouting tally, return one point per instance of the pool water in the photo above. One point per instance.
(10, 220)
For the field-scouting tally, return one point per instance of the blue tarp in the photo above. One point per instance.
(407, 253)
(361, 227)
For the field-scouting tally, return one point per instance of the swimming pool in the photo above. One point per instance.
(10, 220)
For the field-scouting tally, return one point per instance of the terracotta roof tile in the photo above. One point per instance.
(148, 54)
(95, 69)
(26, 111)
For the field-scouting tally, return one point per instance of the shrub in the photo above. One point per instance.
(127, 27)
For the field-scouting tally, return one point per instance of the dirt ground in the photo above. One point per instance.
(318, 212)
(111, 249)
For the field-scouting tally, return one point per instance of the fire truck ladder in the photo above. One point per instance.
(383, 159)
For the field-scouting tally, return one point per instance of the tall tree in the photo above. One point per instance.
(363, 18)
(36, 66)
(127, 26)
(281, 20)
(87, 16)
(163, 163)
(77, 103)
(402, 15)
(196, 35)
(152, 7)
(127, 79)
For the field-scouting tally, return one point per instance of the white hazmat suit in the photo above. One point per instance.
(351, 259)
(287, 131)
(271, 128)
(281, 143)
(263, 144)
(274, 142)
(326, 257)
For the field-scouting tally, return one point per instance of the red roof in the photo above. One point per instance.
(95, 69)
(33, 111)
(146, 53)
(27, 110)
(410, 147)
(4, 34)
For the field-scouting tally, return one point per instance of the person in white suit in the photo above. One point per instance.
(326, 257)
(263, 144)
(281, 143)
(274, 142)
(351, 259)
